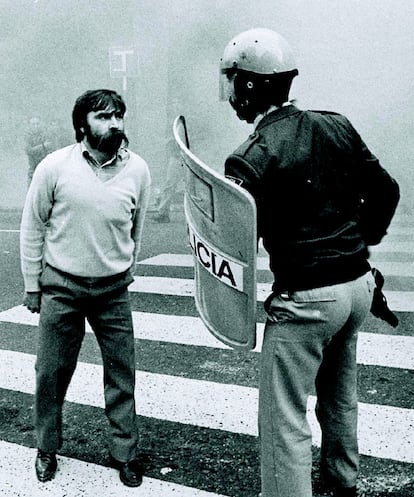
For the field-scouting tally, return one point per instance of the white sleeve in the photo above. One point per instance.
(36, 213)
(143, 195)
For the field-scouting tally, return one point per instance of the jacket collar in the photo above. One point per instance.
(276, 115)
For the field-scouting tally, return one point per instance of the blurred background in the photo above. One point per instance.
(354, 57)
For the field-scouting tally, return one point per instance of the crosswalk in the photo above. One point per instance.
(190, 383)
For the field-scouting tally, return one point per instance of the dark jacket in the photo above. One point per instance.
(321, 196)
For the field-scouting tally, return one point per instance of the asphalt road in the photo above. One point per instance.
(196, 400)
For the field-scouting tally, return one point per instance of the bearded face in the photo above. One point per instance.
(108, 142)
(104, 130)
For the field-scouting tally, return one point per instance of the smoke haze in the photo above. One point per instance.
(354, 57)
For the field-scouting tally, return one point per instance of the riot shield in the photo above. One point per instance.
(221, 219)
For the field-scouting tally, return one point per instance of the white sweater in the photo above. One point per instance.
(79, 224)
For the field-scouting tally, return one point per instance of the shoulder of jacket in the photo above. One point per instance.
(253, 153)
(321, 114)
(247, 145)
(324, 112)
(339, 120)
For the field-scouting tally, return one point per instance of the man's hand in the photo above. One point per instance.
(32, 301)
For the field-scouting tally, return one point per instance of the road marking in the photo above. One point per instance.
(395, 268)
(400, 301)
(374, 349)
(163, 286)
(378, 440)
(384, 431)
(185, 260)
(75, 478)
(178, 260)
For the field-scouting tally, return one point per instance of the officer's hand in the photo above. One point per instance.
(32, 301)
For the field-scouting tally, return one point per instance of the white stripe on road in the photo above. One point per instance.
(76, 478)
(376, 425)
(398, 301)
(164, 286)
(392, 351)
(179, 260)
(384, 431)
(405, 269)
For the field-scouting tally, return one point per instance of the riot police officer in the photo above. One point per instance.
(322, 199)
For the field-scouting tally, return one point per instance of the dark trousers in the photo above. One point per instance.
(104, 302)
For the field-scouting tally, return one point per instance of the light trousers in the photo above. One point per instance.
(310, 346)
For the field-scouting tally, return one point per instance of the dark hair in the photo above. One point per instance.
(93, 100)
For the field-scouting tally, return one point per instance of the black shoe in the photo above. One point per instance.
(45, 465)
(345, 492)
(130, 473)
(329, 484)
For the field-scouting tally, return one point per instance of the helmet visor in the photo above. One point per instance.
(226, 84)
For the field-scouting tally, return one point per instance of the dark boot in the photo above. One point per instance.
(130, 472)
(45, 465)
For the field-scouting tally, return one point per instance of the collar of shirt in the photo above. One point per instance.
(272, 108)
(108, 169)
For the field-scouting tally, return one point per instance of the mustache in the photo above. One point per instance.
(111, 141)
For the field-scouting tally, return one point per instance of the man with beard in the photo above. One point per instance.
(80, 235)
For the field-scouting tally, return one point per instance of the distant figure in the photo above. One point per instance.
(37, 146)
(172, 183)
(174, 171)
(58, 135)
(80, 235)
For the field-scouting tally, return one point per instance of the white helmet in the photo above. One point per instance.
(256, 71)
(259, 50)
